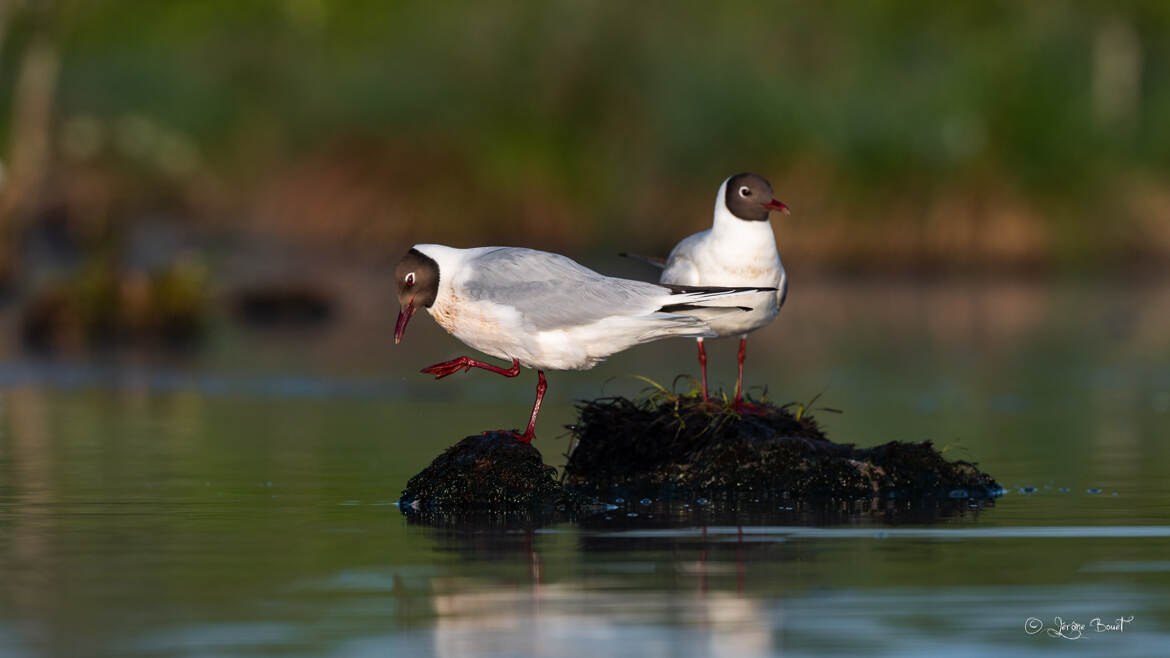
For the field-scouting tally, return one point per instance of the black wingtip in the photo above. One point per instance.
(682, 308)
(678, 308)
(676, 289)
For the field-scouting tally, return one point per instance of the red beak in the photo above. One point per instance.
(403, 318)
(777, 206)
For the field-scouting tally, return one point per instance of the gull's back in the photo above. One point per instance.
(550, 291)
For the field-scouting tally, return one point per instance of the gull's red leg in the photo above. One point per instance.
(441, 370)
(739, 404)
(739, 378)
(541, 387)
(703, 367)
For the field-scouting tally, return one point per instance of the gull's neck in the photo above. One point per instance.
(449, 260)
(727, 225)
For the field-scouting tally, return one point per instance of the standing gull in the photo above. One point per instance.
(545, 311)
(738, 250)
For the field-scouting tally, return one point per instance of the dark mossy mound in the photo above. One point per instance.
(907, 468)
(679, 445)
(492, 471)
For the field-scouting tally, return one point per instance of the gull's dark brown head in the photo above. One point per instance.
(417, 278)
(749, 197)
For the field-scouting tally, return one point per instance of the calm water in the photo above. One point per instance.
(242, 504)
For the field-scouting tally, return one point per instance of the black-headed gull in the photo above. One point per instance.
(738, 250)
(545, 311)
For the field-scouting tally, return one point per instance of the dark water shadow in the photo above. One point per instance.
(487, 528)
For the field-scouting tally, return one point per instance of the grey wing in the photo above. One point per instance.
(550, 291)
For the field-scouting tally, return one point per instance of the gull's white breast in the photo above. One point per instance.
(732, 253)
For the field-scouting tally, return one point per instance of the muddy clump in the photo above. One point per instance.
(492, 471)
(680, 446)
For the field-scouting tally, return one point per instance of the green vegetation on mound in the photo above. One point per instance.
(680, 448)
(680, 445)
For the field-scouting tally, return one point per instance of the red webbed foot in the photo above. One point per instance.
(748, 409)
(441, 370)
(522, 438)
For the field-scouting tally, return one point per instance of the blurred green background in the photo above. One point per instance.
(909, 138)
(977, 251)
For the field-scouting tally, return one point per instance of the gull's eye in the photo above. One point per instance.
(745, 191)
(409, 279)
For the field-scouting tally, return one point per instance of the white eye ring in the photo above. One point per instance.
(409, 278)
(745, 191)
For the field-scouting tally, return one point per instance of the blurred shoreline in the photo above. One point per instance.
(979, 314)
(163, 165)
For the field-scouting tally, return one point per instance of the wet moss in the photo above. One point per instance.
(679, 446)
(667, 450)
(492, 471)
(918, 467)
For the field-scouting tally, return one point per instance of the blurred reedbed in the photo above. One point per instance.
(982, 138)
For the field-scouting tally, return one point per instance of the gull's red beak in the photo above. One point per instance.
(403, 318)
(777, 206)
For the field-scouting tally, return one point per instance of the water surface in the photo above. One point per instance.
(241, 503)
